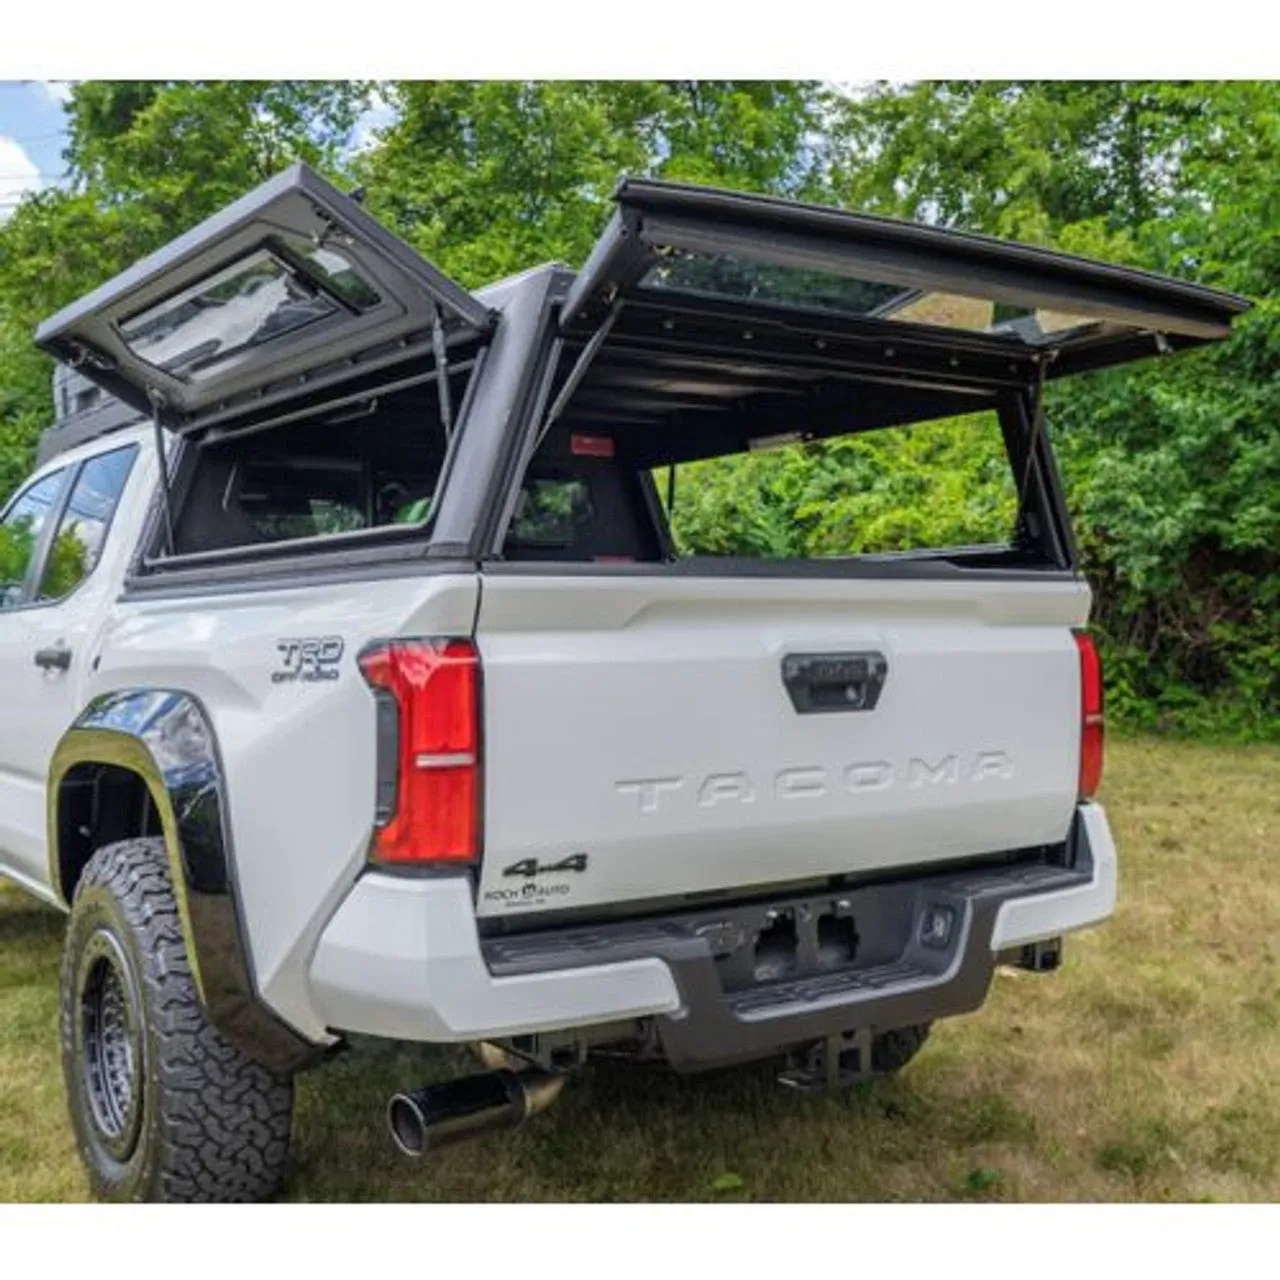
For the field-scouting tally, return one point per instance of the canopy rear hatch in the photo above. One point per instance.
(291, 288)
(907, 291)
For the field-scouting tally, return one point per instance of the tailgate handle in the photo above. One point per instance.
(835, 681)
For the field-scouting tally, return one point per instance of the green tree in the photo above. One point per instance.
(16, 541)
(488, 178)
(146, 160)
(1173, 469)
(176, 151)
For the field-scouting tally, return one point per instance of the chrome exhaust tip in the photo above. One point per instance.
(440, 1115)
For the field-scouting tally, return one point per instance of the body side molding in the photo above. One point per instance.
(165, 737)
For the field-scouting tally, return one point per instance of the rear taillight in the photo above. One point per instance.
(1090, 715)
(428, 698)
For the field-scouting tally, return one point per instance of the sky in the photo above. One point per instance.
(32, 135)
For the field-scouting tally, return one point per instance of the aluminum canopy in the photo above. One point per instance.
(292, 286)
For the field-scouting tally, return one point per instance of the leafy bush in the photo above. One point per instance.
(16, 541)
(936, 484)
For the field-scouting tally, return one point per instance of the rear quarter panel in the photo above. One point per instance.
(298, 756)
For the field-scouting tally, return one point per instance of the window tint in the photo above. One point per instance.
(244, 501)
(83, 528)
(19, 531)
(727, 275)
(335, 272)
(300, 498)
(583, 506)
(550, 511)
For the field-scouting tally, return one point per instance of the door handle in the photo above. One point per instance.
(56, 658)
(835, 681)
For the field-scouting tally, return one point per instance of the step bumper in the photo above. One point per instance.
(402, 958)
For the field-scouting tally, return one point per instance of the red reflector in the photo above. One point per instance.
(1091, 722)
(429, 750)
(591, 446)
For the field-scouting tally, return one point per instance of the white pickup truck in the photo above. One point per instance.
(352, 681)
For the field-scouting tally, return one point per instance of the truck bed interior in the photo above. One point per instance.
(372, 462)
(588, 495)
(664, 385)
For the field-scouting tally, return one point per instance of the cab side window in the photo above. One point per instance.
(83, 527)
(20, 533)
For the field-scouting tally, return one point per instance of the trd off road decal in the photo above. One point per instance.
(534, 892)
(308, 660)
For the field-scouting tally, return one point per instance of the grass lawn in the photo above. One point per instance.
(1147, 1068)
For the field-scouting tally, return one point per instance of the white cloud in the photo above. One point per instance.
(18, 174)
(57, 91)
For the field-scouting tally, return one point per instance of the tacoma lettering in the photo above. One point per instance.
(806, 782)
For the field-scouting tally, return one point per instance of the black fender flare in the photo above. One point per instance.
(165, 737)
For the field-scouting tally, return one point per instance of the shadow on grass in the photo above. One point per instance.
(619, 1132)
(26, 921)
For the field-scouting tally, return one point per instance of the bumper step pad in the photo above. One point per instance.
(917, 950)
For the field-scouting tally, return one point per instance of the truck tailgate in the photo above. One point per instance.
(642, 743)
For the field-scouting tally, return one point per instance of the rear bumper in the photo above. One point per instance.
(402, 958)
(1023, 920)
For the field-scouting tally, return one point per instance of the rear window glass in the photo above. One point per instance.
(549, 512)
(581, 502)
(727, 275)
(82, 531)
(337, 274)
(255, 493)
(300, 498)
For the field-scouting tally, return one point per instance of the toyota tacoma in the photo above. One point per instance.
(359, 678)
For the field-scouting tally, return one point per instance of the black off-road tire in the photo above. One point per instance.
(163, 1107)
(892, 1050)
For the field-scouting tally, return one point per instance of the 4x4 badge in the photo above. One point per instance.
(532, 867)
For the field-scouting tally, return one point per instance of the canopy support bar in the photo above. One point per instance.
(162, 462)
(1033, 444)
(442, 365)
(580, 367)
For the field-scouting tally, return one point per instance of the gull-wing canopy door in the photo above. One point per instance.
(293, 286)
(724, 256)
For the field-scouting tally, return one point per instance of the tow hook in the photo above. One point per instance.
(440, 1115)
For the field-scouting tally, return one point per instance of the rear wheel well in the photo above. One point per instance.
(99, 804)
